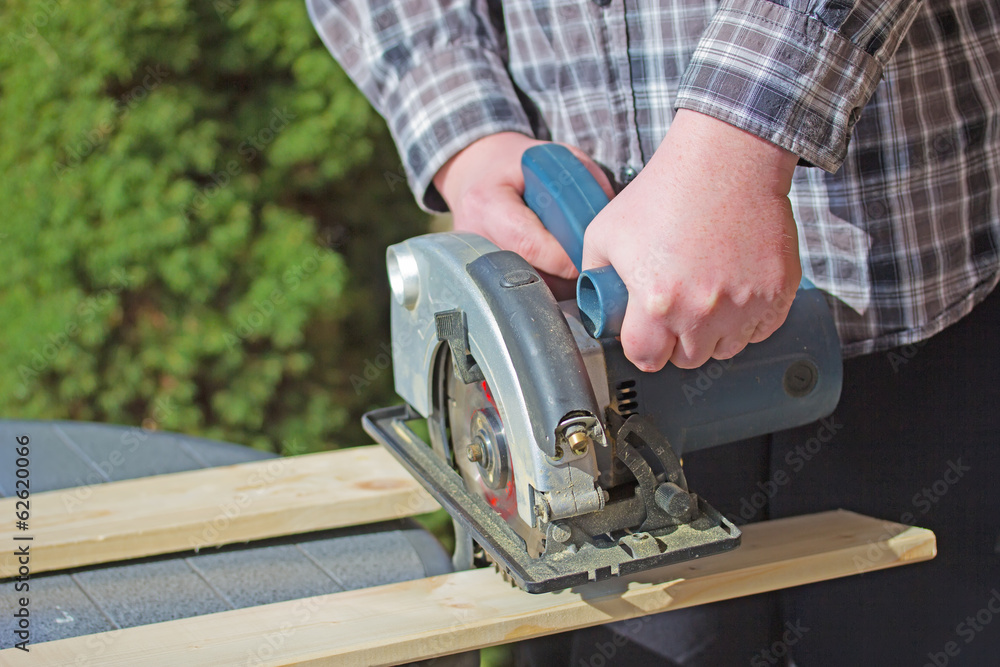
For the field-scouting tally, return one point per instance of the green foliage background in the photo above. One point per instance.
(196, 203)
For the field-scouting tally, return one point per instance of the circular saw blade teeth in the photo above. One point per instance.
(462, 401)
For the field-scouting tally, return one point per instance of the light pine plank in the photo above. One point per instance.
(211, 507)
(467, 610)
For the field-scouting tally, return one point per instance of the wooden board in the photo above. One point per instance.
(467, 610)
(202, 508)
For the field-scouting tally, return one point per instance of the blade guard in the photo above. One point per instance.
(503, 326)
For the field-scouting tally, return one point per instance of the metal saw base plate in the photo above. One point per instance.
(710, 534)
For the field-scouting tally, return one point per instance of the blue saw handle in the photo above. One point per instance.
(566, 197)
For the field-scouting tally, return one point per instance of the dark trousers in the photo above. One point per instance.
(915, 439)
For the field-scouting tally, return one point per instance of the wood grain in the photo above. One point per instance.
(191, 510)
(467, 610)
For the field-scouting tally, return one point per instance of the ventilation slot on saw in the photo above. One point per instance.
(626, 398)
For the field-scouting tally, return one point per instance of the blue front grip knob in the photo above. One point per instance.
(602, 298)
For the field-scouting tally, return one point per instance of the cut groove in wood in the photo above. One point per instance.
(458, 612)
(202, 508)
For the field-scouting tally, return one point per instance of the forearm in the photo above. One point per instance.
(436, 72)
(797, 76)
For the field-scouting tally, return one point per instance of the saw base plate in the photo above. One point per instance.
(709, 534)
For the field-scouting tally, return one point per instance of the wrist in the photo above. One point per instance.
(745, 159)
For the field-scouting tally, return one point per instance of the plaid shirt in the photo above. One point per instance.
(899, 219)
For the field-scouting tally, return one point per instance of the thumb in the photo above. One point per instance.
(596, 243)
(524, 233)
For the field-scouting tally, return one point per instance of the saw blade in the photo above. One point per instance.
(470, 426)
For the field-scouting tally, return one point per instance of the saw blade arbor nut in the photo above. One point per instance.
(475, 452)
(489, 448)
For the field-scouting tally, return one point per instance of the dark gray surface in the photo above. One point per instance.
(126, 594)
(287, 574)
(141, 593)
(66, 454)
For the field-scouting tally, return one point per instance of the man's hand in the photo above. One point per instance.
(484, 187)
(704, 241)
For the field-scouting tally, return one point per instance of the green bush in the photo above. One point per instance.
(197, 203)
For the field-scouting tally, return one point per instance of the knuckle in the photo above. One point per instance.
(657, 299)
(702, 307)
(729, 350)
(645, 355)
(748, 329)
(691, 353)
(477, 202)
(527, 243)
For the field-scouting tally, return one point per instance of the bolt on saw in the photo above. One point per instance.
(559, 460)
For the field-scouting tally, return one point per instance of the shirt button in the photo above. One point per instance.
(876, 210)
(602, 3)
(627, 175)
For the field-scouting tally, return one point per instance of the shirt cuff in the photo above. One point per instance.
(442, 105)
(782, 75)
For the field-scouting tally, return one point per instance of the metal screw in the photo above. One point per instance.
(578, 439)
(560, 532)
(475, 451)
(542, 510)
(578, 442)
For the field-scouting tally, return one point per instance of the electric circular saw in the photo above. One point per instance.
(551, 451)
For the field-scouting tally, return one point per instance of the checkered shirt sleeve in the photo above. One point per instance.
(434, 69)
(795, 72)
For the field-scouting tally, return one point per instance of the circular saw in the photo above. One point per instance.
(551, 451)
